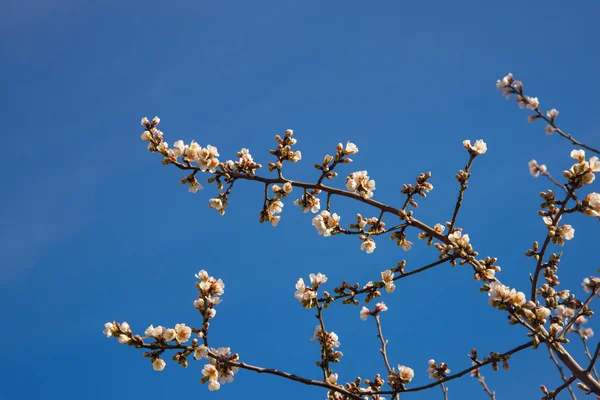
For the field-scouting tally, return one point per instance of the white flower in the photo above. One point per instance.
(158, 364)
(169, 334)
(541, 314)
(275, 220)
(460, 239)
(564, 312)
(317, 280)
(145, 121)
(350, 148)
(364, 313)
(332, 379)
(183, 333)
(593, 202)
(368, 245)
(325, 223)
(387, 277)
(380, 307)
(506, 82)
(146, 136)
(163, 147)
(155, 121)
(109, 329)
(211, 372)
(535, 169)
(532, 103)
(478, 148)
(552, 113)
(360, 181)
(124, 327)
(406, 374)
(124, 339)
(549, 129)
(578, 155)
(275, 207)
(567, 232)
(200, 352)
(213, 385)
(149, 332)
(287, 187)
(586, 333)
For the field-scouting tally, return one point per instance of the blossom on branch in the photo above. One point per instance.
(476, 149)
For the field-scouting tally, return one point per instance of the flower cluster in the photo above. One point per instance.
(220, 370)
(422, 187)
(359, 181)
(371, 225)
(309, 202)
(284, 151)
(326, 224)
(502, 297)
(558, 234)
(209, 290)
(508, 85)
(582, 173)
(460, 246)
(437, 371)
(387, 278)
(307, 295)
(401, 240)
(245, 163)
(328, 341)
(397, 380)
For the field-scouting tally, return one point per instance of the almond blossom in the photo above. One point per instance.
(360, 181)
(476, 149)
(326, 223)
(158, 364)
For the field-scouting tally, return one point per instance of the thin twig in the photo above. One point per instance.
(397, 278)
(383, 349)
(463, 372)
(461, 192)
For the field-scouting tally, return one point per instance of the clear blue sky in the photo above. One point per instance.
(95, 229)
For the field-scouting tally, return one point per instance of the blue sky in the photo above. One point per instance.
(95, 229)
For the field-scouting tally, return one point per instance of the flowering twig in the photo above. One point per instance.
(511, 86)
(462, 177)
(549, 236)
(463, 372)
(261, 370)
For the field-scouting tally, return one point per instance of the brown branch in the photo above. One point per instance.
(328, 189)
(463, 372)
(562, 375)
(260, 370)
(397, 278)
(554, 393)
(567, 136)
